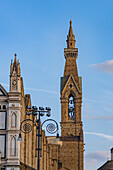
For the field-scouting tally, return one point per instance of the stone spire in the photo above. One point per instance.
(71, 102)
(15, 75)
(70, 29)
(70, 37)
(11, 67)
(70, 54)
(15, 66)
(15, 60)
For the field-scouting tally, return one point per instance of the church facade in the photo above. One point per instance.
(12, 111)
(66, 154)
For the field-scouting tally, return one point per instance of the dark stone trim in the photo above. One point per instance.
(70, 138)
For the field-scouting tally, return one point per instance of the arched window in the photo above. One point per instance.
(4, 106)
(13, 146)
(13, 120)
(71, 107)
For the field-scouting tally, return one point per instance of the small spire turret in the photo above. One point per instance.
(11, 67)
(70, 29)
(71, 51)
(70, 37)
(15, 66)
(15, 75)
(15, 60)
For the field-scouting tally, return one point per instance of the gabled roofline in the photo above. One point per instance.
(3, 90)
(71, 76)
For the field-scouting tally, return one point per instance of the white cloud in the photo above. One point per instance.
(111, 104)
(35, 89)
(99, 117)
(107, 66)
(42, 90)
(109, 137)
(94, 160)
(98, 155)
(95, 101)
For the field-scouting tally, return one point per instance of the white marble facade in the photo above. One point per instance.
(10, 109)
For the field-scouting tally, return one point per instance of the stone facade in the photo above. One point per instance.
(12, 111)
(66, 154)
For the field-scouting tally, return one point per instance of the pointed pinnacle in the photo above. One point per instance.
(71, 22)
(15, 61)
(70, 29)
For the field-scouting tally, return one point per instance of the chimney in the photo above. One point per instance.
(112, 154)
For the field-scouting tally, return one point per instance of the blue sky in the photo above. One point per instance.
(37, 32)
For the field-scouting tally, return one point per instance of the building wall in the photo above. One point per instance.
(10, 118)
(24, 152)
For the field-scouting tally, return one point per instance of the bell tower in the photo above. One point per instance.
(15, 76)
(71, 102)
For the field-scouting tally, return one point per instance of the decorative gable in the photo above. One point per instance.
(3, 92)
(71, 85)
